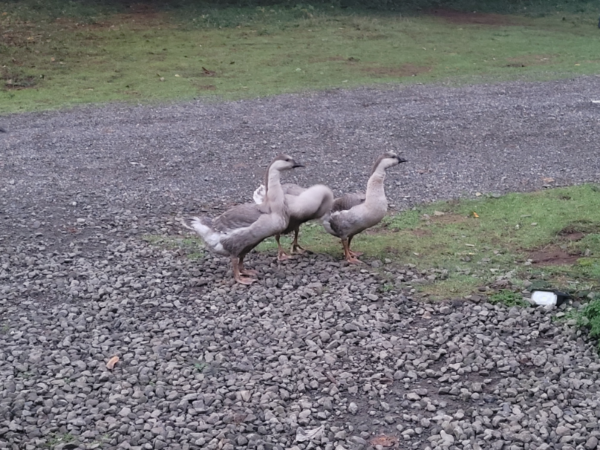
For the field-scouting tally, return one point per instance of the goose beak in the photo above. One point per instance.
(297, 164)
(401, 160)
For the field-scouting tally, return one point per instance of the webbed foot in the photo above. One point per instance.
(244, 280)
(249, 272)
(282, 256)
(352, 260)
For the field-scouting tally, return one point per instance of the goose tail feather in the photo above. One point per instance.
(203, 227)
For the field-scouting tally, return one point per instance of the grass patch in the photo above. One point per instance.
(60, 440)
(473, 244)
(507, 298)
(475, 251)
(200, 366)
(589, 318)
(61, 53)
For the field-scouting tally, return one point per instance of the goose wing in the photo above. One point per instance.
(241, 216)
(341, 220)
(348, 201)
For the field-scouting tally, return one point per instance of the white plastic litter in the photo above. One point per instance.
(544, 298)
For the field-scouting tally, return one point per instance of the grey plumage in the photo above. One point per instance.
(353, 213)
(304, 204)
(292, 189)
(241, 228)
(240, 216)
(348, 201)
(300, 209)
(234, 227)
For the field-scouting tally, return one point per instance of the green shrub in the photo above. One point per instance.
(590, 319)
(507, 298)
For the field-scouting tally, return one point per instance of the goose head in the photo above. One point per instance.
(387, 160)
(284, 162)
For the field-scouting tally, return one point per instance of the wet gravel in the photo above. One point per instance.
(317, 354)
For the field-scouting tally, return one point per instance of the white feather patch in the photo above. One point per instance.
(212, 239)
(259, 195)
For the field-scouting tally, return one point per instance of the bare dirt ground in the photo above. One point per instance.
(316, 354)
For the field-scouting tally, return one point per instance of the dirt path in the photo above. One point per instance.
(162, 160)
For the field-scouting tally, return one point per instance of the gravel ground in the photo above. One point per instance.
(317, 355)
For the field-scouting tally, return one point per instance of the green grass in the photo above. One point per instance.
(476, 250)
(471, 243)
(507, 298)
(60, 53)
(200, 366)
(589, 318)
(60, 440)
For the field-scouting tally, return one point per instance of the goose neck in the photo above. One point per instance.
(275, 195)
(375, 190)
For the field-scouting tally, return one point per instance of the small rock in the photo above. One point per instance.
(353, 408)
(591, 443)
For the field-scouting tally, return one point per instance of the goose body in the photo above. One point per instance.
(241, 228)
(303, 205)
(351, 214)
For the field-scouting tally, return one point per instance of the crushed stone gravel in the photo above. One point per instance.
(317, 354)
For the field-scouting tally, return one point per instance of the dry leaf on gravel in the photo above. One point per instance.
(385, 441)
(110, 365)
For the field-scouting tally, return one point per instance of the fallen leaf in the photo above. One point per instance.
(385, 441)
(110, 365)
(548, 180)
(477, 194)
(438, 213)
(474, 214)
